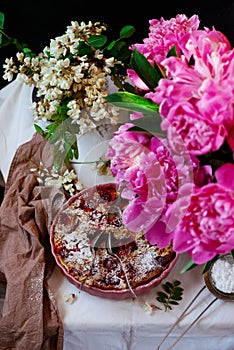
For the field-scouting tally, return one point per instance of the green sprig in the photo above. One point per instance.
(6, 40)
(171, 295)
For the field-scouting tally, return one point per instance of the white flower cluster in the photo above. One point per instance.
(51, 177)
(60, 74)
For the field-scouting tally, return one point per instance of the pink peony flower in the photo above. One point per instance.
(172, 197)
(207, 228)
(199, 42)
(207, 225)
(147, 182)
(124, 150)
(199, 96)
(163, 35)
(197, 134)
(150, 175)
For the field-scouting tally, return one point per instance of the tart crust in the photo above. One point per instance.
(98, 253)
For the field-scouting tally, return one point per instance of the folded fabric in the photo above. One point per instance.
(30, 318)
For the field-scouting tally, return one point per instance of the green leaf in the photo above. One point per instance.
(172, 294)
(54, 136)
(2, 19)
(14, 41)
(26, 50)
(177, 283)
(111, 45)
(232, 252)
(62, 109)
(97, 40)
(148, 74)
(52, 127)
(161, 300)
(127, 31)
(119, 49)
(191, 61)
(5, 42)
(86, 51)
(38, 129)
(169, 284)
(130, 88)
(190, 265)
(173, 302)
(123, 52)
(75, 150)
(208, 264)
(178, 298)
(69, 153)
(58, 161)
(149, 124)
(166, 288)
(70, 146)
(162, 295)
(55, 117)
(83, 49)
(177, 291)
(58, 156)
(172, 52)
(132, 102)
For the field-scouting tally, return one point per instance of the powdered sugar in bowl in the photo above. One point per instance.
(220, 277)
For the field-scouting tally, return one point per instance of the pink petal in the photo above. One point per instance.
(225, 175)
(157, 235)
(136, 80)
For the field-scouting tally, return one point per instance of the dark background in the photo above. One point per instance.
(36, 22)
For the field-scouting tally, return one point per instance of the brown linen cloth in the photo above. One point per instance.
(30, 318)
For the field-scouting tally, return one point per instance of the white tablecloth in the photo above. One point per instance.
(94, 323)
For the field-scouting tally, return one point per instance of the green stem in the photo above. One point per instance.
(3, 33)
(95, 161)
(12, 41)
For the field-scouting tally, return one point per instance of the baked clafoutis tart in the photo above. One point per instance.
(97, 252)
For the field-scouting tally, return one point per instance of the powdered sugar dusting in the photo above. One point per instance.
(96, 248)
(222, 274)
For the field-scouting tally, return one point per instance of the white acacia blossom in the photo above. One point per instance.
(67, 179)
(59, 73)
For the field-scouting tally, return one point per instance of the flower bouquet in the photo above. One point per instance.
(179, 185)
(173, 159)
(71, 80)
